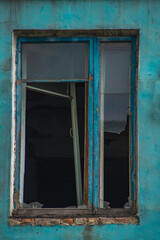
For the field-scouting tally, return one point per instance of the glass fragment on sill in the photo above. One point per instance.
(32, 205)
(83, 206)
(127, 205)
(105, 204)
(71, 207)
(79, 206)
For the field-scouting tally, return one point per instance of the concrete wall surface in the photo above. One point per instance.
(88, 14)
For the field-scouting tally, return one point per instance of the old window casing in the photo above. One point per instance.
(73, 115)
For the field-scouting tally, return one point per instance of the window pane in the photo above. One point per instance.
(49, 155)
(115, 112)
(115, 69)
(55, 61)
(115, 79)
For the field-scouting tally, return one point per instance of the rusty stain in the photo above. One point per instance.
(90, 77)
(68, 221)
(18, 82)
(27, 220)
(93, 221)
(15, 197)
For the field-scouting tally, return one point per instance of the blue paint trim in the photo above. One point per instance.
(52, 39)
(96, 122)
(90, 126)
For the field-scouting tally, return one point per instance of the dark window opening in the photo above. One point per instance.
(77, 132)
(49, 159)
(115, 124)
(116, 167)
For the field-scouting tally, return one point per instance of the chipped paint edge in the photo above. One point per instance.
(13, 126)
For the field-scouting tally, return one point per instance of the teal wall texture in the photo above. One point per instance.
(89, 14)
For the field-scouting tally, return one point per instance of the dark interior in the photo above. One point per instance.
(49, 162)
(116, 167)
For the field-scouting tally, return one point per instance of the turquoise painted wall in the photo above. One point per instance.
(78, 14)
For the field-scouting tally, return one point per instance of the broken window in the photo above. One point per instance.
(75, 132)
(115, 111)
(53, 118)
(54, 152)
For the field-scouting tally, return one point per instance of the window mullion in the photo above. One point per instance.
(90, 124)
(96, 124)
(76, 146)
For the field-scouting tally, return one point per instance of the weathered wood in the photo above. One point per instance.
(86, 148)
(63, 212)
(50, 212)
(115, 212)
(76, 145)
(76, 33)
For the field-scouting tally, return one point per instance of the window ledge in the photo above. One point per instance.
(73, 221)
(113, 216)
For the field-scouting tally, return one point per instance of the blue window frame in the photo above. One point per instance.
(97, 110)
(94, 108)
